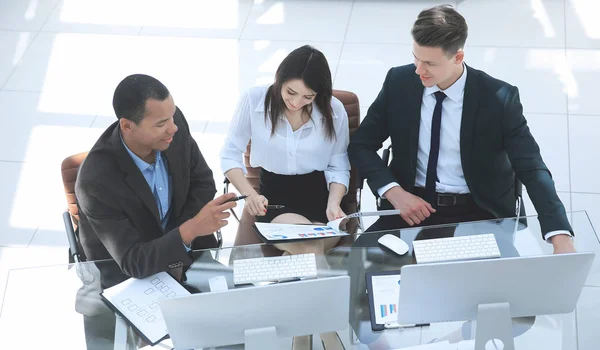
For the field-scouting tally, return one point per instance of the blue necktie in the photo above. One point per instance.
(434, 151)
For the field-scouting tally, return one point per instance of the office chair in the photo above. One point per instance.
(69, 169)
(351, 201)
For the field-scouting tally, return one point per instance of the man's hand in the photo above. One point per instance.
(210, 219)
(413, 209)
(562, 244)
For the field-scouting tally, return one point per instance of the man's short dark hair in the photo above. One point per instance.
(129, 99)
(441, 26)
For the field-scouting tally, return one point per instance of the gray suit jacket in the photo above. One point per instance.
(119, 217)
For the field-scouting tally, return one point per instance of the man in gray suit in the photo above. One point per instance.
(145, 193)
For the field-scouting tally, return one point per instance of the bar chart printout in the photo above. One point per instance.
(386, 292)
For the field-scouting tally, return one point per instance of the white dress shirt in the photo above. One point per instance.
(449, 168)
(287, 152)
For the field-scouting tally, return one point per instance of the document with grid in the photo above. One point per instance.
(137, 302)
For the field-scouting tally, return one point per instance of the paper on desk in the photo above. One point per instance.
(137, 300)
(386, 292)
(283, 232)
(165, 344)
(335, 224)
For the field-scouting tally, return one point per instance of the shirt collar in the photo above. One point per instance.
(455, 91)
(139, 162)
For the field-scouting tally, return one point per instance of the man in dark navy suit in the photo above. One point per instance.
(458, 138)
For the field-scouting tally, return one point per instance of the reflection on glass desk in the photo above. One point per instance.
(59, 306)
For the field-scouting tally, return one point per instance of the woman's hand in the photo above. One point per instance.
(256, 205)
(334, 212)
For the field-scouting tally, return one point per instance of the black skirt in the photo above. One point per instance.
(305, 195)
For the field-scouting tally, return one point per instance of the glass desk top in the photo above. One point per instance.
(59, 306)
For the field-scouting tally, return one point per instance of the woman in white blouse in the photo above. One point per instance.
(300, 135)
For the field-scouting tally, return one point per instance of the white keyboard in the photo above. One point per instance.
(277, 268)
(456, 248)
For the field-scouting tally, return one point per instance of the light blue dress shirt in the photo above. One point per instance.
(158, 180)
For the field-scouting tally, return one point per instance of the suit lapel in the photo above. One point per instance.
(469, 115)
(414, 121)
(174, 164)
(133, 177)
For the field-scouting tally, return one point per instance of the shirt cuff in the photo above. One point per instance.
(342, 178)
(338, 170)
(385, 188)
(556, 233)
(228, 164)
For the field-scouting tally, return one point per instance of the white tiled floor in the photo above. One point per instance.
(386, 22)
(529, 24)
(60, 62)
(310, 20)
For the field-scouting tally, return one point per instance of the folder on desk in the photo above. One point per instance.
(136, 300)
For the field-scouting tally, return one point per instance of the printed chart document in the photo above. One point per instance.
(386, 292)
(290, 232)
(137, 302)
(383, 289)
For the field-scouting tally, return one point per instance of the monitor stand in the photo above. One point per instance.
(261, 339)
(493, 322)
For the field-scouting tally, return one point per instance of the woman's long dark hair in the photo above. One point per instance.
(309, 65)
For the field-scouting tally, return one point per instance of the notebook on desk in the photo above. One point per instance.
(136, 300)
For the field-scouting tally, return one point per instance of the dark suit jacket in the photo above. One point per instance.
(119, 215)
(495, 143)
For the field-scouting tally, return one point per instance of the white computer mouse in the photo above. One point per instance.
(394, 243)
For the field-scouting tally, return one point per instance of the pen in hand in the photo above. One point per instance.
(275, 206)
(235, 199)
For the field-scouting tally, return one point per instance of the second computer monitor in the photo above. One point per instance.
(492, 291)
(535, 285)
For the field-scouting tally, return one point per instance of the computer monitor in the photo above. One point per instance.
(492, 291)
(258, 316)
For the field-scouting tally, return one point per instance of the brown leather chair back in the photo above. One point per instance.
(349, 202)
(69, 169)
